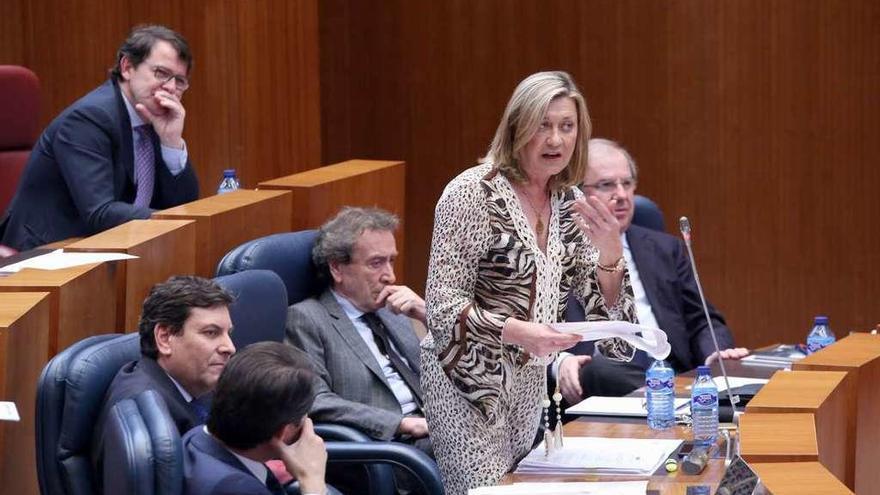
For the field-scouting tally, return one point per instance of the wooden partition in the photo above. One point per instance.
(799, 478)
(226, 220)
(24, 340)
(318, 194)
(82, 300)
(164, 248)
(830, 397)
(778, 437)
(859, 356)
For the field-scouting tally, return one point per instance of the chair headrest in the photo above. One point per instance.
(648, 214)
(259, 312)
(19, 107)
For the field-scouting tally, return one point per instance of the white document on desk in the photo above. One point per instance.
(58, 259)
(576, 488)
(735, 381)
(596, 455)
(651, 340)
(630, 407)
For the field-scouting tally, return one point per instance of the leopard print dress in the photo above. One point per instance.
(483, 397)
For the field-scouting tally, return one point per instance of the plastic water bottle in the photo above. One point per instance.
(704, 407)
(229, 182)
(660, 395)
(820, 335)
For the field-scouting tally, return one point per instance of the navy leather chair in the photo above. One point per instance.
(647, 214)
(147, 456)
(259, 312)
(289, 255)
(70, 393)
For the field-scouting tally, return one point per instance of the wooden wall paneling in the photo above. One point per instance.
(12, 32)
(24, 342)
(82, 300)
(164, 248)
(752, 118)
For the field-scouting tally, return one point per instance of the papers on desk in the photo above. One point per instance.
(59, 259)
(8, 412)
(595, 455)
(735, 381)
(579, 488)
(652, 340)
(781, 356)
(633, 407)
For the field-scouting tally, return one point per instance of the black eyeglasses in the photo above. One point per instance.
(609, 186)
(165, 75)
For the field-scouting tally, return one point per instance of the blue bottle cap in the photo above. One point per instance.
(820, 320)
(704, 370)
(229, 172)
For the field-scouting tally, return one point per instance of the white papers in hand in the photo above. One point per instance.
(577, 488)
(595, 455)
(616, 406)
(59, 259)
(652, 340)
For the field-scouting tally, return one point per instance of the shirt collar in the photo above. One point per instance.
(350, 310)
(257, 468)
(133, 116)
(186, 395)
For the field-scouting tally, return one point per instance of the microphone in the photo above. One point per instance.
(685, 226)
(695, 461)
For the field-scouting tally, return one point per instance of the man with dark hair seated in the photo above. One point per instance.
(258, 414)
(184, 338)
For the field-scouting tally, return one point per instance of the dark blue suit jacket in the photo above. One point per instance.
(665, 272)
(210, 469)
(132, 379)
(79, 179)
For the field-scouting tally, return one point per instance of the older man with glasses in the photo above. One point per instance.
(665, 292)
(114, 155)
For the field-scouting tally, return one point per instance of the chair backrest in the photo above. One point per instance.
(70, 394)
(407, 457)
(143, 453)
(19, 125)
(259, 312)
(289, 255)
(647, 214)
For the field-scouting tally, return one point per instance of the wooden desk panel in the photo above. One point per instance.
(778, 437)
(830, 397)
(667, 483)
(164, 248)
(318, 194)
(24, 343)
(859, 356)
(226, 220)
(799, 478)
(82, 300)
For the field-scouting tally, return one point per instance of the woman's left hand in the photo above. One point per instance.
(601, 226)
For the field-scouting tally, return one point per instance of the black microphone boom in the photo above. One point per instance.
(685, 227)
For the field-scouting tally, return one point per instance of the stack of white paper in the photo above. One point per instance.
(594, 455)
(579, 488)
(633, 407)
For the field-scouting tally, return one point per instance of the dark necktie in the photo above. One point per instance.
(144, 166)
(273, 485)
(380, 336)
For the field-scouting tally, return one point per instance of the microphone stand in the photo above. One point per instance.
(685, 227)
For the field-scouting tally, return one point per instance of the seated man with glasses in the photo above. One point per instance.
(665, 292)
(115, 154)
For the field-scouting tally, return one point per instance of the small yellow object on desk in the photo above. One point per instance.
(671, 465)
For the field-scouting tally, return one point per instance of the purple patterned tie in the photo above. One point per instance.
(144, 167)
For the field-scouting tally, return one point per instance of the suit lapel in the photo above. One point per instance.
(644, 254)
(126, 152)
(349, 334)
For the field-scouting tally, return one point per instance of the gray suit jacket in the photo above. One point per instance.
(351, 388)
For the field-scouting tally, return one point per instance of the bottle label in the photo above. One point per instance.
(814, 344)
(659, 384)
(705, 399)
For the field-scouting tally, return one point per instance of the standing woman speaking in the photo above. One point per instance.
(512, 238)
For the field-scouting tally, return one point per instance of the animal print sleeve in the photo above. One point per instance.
(587, 291)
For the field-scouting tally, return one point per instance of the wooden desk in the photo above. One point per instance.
(320, 193)
(859, 356)
(666, 483)
(830, 397)
(164, 248)
(778, 437)
(799, 478)
(82, 300)
(24, 344)
(226, 220)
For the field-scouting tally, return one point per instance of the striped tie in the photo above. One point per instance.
(144, 167)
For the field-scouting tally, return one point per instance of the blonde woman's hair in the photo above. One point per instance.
(523, 116)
